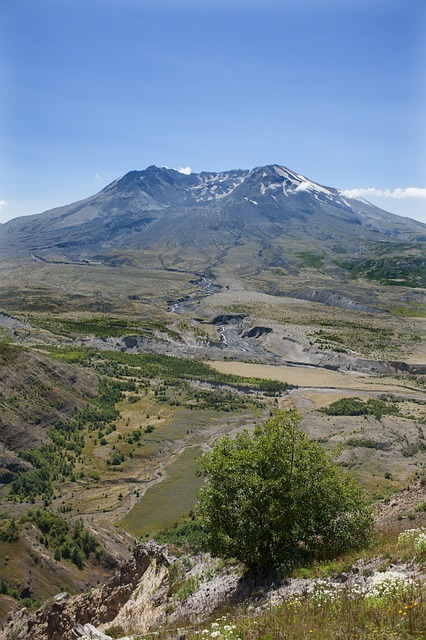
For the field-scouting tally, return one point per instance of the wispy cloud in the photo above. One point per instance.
(98, 178)
(400, 193)
(185, 170)
(3, 203)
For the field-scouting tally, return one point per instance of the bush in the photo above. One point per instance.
(357, 407)
(274, 498)
(190, 534)
(75, 544)
(9, 529)
(187, 588)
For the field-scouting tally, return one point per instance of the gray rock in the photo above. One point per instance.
(88, 631)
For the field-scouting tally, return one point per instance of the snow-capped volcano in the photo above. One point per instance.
(171, 186)
(206, 214)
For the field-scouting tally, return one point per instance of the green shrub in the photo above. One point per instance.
(357, 407)
(274, 498)
(75, 544)
(188, 588)
(189, 534)
(9, 529)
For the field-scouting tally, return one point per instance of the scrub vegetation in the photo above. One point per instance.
(356, 407)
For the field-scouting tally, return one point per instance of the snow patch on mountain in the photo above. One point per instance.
(296, 183)
(215, 186)
(307, 185)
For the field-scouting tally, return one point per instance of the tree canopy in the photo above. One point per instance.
(275, 498)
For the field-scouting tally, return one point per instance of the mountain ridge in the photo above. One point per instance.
(216, 221)
(163, 188)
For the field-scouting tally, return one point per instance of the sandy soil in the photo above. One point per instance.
(315, 377)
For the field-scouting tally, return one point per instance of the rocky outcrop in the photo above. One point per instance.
(152, 590)
(405, 367)
(333, 299)
(229, 319)
(89, 631)
(10, 464)
(60, 615)
(401, 503)
(158, 591)
(256, 332)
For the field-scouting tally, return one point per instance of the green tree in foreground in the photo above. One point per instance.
(274, 498)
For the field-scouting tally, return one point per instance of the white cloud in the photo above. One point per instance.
(185, 170)
(400, 193)
(3, 203)
(98, 178)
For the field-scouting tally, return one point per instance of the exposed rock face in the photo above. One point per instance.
(256, 332)
(333, 299)
(89, 631)
(401, 503)
(11, 464)
(228, 319)
(404, 367)
(144, 595)
(57, 618)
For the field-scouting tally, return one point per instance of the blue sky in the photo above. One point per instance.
(333, 89)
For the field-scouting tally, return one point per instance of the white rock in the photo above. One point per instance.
(89, 632)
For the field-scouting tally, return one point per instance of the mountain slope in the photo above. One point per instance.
(267, 229)
(163, 209)
(35, 392)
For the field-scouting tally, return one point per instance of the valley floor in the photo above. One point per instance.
(135, 471)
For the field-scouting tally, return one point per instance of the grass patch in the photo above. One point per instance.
(189, 586)
(321, 615)
(412, 310)
(8, 352)
(167, 501)
(387, 604)
(311, 259)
